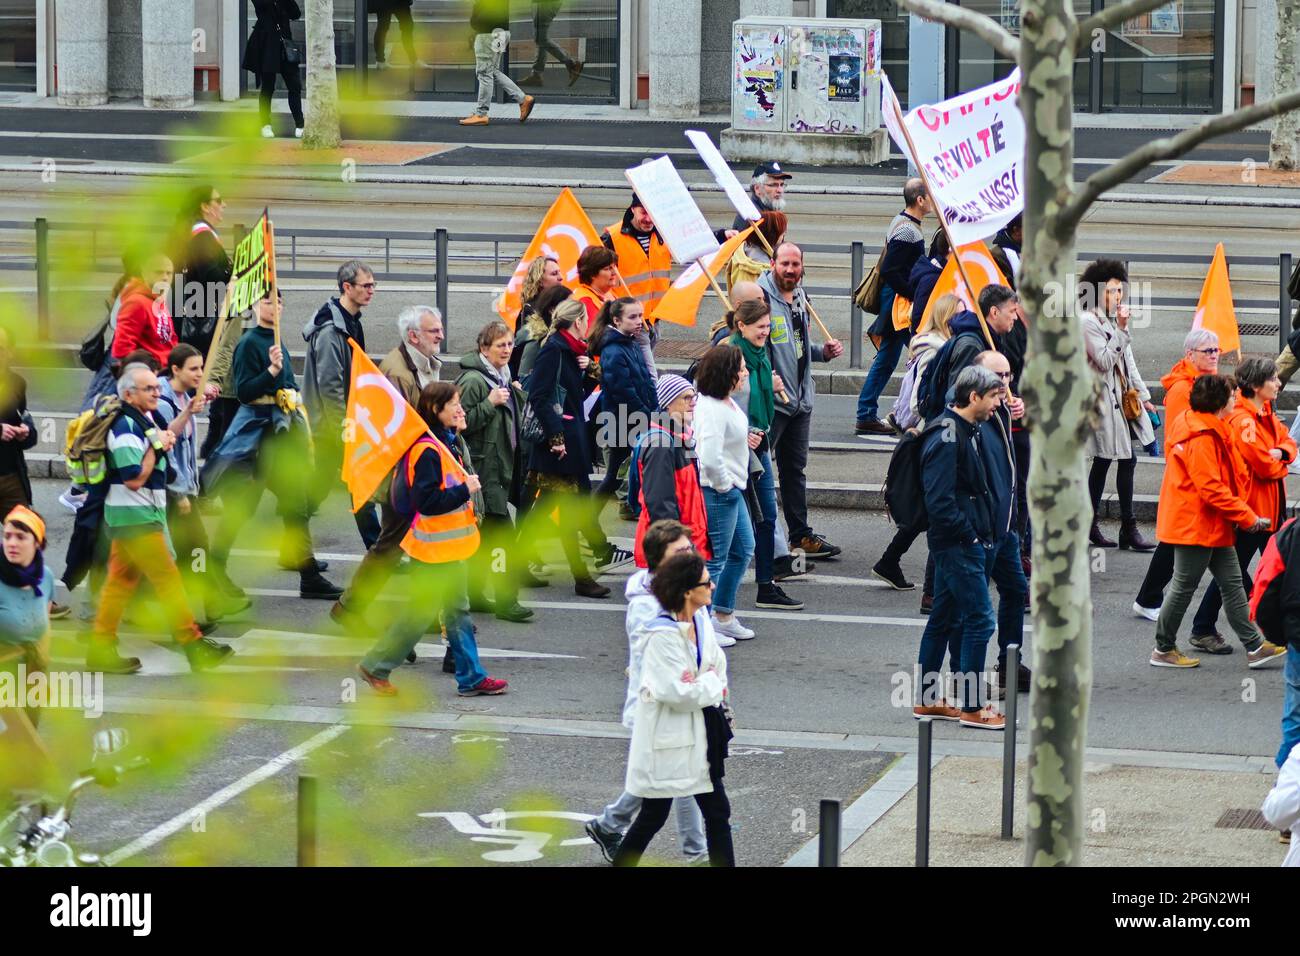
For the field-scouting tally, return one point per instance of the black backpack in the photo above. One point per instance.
(932, 389)
(904, 491)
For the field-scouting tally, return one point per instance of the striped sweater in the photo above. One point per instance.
(128, 512)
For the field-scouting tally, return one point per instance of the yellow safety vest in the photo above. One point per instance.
(648, 277)
(440, 539)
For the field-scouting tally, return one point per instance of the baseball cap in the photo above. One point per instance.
(772, 169)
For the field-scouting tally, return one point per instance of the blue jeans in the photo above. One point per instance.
(1009, 576)
(961, 609)
(891, 349)
(731, 538)
(765, 528)
(1290, 705)
(433, 588)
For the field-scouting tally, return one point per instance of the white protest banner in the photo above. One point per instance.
(972, 148)
(723, 175)
(679, 221)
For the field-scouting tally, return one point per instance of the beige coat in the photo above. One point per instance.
(1110, 351)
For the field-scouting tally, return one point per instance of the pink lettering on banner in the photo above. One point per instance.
(932, 120)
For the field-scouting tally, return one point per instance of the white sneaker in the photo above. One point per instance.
(267, 132)
(298, 133)
(723, 640)
(1149, 613)
(73, 499)
(732, 628)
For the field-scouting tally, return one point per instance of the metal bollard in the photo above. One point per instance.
(828, 834)
(1283, 300)
(307, 821)
(855, 312)
(1009, 741)
(43, 278)
(926, 733)
(440, 270)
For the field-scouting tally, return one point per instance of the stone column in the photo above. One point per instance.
(168, 33)
(675, 59)
(766, 8)
(125, 72)
(82, 53)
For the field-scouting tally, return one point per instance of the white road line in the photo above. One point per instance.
(225, 795)
(264, 641)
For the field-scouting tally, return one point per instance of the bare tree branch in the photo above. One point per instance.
(1112, 16)
(986, 28)
(1168, 148)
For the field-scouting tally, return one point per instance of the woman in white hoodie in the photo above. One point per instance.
(1282, 805)
(679, 738)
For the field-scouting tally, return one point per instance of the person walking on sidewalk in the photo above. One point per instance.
(264, 57)
(1202, 500)
(662, 540)
(1108, 341)
(544, 14)
(681, 725)
(904, 244)
(1200, 357)
(668, 470)
(963, 536)
(490, 22)
(385, 11)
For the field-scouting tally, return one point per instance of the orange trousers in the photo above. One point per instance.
(143, 556)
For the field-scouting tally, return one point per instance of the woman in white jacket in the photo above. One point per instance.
(723, 443)
(679, 738)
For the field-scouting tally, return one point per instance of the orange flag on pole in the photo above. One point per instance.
(681, 303)
(565, 231)
(1215, 311)
(980, 269)
(379, 428)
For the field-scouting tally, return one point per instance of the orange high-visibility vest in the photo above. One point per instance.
(647, 276)
(440, 539)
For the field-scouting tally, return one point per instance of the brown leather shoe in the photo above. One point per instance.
(526, 108)
(476, 120)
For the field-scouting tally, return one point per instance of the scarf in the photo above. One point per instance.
(28, 577)
(579, 347)
(500, 378)
(762, 401)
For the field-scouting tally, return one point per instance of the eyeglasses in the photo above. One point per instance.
(1210, 351)
(371, 286)
(151, 389)
(710, 584)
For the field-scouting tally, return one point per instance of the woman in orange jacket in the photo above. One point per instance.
(1202, 501)
(1262, 441)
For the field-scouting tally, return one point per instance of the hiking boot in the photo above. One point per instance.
(488, 686)
(1172, 658)
(526, 108)
(893, 576)
(205, 653)
(586, 587)
(314, 587)
(533, 79)
(815, 546)
(606, 841)
(927, 603)
(515, 613)
(771, 596)
(872, 426)
(411, 658)
(1130, 538)
(1096, 537)
(1211, 644)
(1261, 655)
(937, 712)
(783, 568)
(103, 656)
(575, 71)
(382, 686)
(986, 719)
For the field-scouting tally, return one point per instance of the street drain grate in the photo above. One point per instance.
(1257, 328)
(1243, 820)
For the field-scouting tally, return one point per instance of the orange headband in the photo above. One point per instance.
(30, 520)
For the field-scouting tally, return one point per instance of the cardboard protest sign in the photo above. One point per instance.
(679, 221)
(252, 272)
(723, 176)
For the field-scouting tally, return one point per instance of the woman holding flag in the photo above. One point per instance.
(435, 485)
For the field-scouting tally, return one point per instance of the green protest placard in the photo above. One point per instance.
(251, 269)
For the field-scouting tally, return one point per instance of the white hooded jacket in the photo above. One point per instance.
(642, 608)
(1282, 805)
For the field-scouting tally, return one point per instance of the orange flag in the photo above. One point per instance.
(980, 269)
(681, 302)
(565, 231)
(379, 428)
(1215, 311)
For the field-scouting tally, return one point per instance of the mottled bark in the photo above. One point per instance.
(322, 129)
(1282, 142)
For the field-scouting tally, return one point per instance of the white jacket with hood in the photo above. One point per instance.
(642, 608)
(1282, 805)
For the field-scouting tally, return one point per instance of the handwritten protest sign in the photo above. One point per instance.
(681, 224)
(252, 272)
(723, 175)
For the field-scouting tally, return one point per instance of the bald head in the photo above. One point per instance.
(915, 198)
(745, 292)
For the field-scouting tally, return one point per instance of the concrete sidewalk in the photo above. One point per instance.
(1136, 816)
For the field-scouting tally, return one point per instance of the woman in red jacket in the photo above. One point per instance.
(1266, 447)
(668, 470)
(144, 321)
(1202, 503)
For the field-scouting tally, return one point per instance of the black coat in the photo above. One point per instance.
(263, 55)
(557, 368)
(955, 476)
(205, 265)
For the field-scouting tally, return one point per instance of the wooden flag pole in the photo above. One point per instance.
(714, 282)
(222, 318)
(817, 318)
(270, 265)
(762, 238)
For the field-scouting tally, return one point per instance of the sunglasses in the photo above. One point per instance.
(1208, 351)
(707, 584)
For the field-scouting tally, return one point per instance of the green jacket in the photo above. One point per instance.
(487, 433)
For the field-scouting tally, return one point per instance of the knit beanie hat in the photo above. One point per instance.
(670, 387)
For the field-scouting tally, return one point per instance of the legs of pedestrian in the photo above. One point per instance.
(889, 568)
(716, 811)
(1159, 572)
(615, 456)
(1226, 568)
(265, 91)
(731, 539)
(649, 821)
(1205, 636)
(293, 85)
(789, 436)
(383, 19)
(882, 369)
(488, 50)
(377, 566)
(690, 827)
(1096, 487)
(1190, 562)
(1009, 578)
(1291, 700)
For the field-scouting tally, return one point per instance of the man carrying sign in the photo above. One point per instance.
(645, 264)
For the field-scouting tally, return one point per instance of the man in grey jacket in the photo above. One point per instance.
(793, 353)
(327, 373)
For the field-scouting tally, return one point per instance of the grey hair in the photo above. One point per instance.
(977, 379)
(408, 320)
(1199, 338)
(760, 180)
(349, 271)
(1254, 373)
(126, 381)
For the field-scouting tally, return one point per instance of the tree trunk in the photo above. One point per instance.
(1060, 393)
(1282, 143)
(322, 129)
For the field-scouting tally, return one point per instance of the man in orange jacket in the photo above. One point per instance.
(1202, 502)
(1200, 357)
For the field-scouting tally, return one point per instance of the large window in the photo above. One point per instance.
(18, 45)
(893, 40)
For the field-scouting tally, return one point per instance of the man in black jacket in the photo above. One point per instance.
(963, 537)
